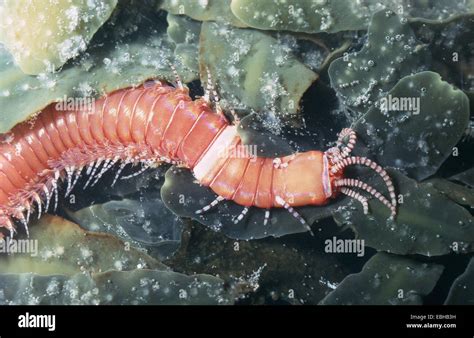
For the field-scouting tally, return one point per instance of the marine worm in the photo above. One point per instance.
(157, 122)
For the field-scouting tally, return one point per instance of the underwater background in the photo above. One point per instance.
(296, 72)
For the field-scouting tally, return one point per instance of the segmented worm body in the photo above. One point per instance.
(157, 123)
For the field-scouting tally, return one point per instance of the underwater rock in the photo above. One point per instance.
(462, 290)
(64, 248)
(135, 287)
(332, 16)
(118, 58)
(452, 50)
(74, 266)
(43, 34)
(306, 16)
(145, 223)
(251, 69)
(386, 280)
(456, 192)
(427, 223)
(203, 10)
(390, 53)
(292, 269)
(316, 51)
(415, 126)
(252, 132)
(131, 209)
(466, 177)
(185, 34)
(440, 10)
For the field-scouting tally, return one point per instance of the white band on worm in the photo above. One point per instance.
(214, 153)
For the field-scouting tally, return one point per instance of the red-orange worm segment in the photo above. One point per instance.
(160, 123)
